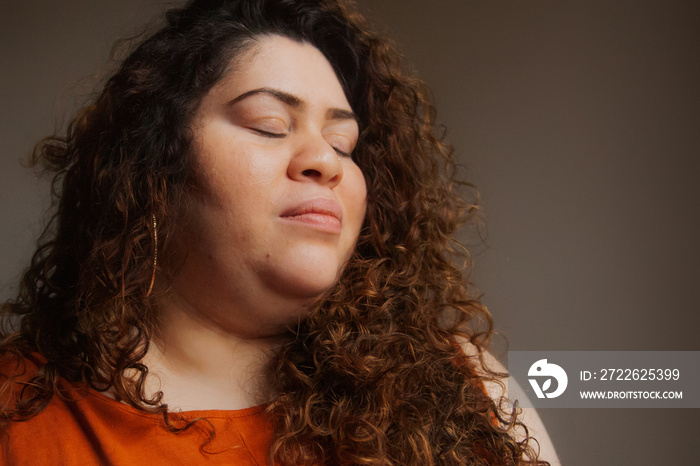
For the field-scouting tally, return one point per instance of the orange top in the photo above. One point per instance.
(97, 430)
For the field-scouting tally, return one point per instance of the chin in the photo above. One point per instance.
(305, 274)
(305, 290)
(307, 284)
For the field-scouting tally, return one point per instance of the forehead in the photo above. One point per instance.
(293, 67)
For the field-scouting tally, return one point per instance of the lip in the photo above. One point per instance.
(320, 213)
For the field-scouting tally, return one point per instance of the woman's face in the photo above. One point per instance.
(279, 202)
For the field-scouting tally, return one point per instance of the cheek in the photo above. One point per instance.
(236, 179)
(356, 195)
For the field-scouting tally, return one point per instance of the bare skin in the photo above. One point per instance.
(529, 416)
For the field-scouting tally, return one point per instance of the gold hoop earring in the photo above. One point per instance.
(155, 255)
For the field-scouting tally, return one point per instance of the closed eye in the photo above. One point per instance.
(340, 152)
(341, 143)
(269, 134)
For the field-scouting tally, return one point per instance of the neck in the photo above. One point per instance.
(199, 366)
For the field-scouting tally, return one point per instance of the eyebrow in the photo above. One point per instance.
(295, 102)
(340, 114)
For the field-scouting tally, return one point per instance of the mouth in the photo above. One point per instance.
(321, 214)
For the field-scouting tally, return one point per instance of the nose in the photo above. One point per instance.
(316, 160)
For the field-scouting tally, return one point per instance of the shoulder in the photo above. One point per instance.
(30, 438)
(49, 430)
(529, 417)
(16, 370)
(86, 427)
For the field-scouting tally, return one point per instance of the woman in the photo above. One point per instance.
(252, 261)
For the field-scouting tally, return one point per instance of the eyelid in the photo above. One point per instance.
(347, 143)
(269, 134)
(270, 127)
(341, 153)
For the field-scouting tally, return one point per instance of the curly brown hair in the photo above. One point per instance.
(374, 374)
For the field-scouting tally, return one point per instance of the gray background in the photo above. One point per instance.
(579, 121)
